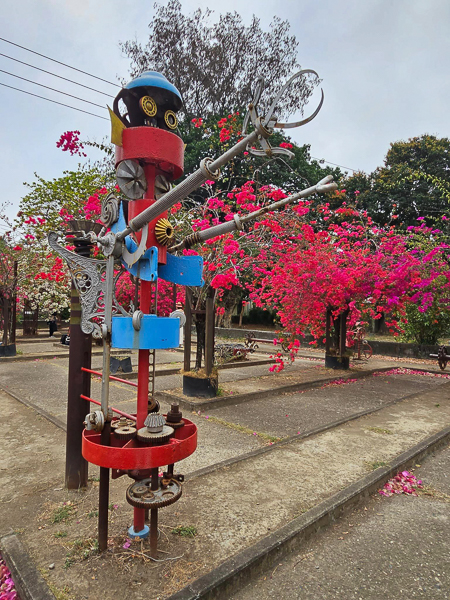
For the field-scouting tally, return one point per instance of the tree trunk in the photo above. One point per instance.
(200, 330)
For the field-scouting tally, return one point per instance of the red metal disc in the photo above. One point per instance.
(155, 146)
(132, 455)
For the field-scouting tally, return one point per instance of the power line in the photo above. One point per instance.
(336, 165)
(54, 75)
(59, 62)
(50, 88)
(54, 101)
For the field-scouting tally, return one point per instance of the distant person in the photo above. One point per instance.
(52, 326)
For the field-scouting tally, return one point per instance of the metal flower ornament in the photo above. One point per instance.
(138, 237)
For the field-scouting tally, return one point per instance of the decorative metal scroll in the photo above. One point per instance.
(89, 278)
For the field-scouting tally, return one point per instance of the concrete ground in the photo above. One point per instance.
(395, 547)
(242, 483)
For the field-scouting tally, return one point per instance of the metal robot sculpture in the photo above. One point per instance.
(138, 238)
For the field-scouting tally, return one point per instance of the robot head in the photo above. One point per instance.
(150, 101)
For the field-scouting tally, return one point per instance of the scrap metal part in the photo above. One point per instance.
(155, 438)
(125, 433)
(140, 494)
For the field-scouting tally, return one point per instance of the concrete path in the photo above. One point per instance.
(395, 547)
(241, 486)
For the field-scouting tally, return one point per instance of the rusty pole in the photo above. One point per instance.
(188, 330)
(79, 383)
(209, 332)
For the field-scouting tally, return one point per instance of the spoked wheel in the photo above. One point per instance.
(367, 350)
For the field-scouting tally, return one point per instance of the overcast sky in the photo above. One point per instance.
(384, 65)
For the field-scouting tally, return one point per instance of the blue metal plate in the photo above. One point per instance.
(146, 267)
(183, 270)
(155, 333)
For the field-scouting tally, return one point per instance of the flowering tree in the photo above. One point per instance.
(350, 264)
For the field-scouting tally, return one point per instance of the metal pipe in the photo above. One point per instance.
(154, 517)
(108, 300)
(115, 410)
(207, 170)
(324, 185)
(103, 496)
(111, 377)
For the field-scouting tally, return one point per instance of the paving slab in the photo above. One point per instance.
(231, 507)
(389, 548)
(297, 412)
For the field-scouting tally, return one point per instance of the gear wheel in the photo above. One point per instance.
(125, 433)
(122, 422)
(140, 494)
(155, 439)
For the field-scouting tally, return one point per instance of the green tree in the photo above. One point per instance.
(214, 64)
(47, 203)
(414, 181)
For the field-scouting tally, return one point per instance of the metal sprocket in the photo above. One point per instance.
(140, 494)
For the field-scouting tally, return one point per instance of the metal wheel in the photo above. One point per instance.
(367, 349)
(140, 494)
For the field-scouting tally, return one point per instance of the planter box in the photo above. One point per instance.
(198, 387)
(337, 362)
(9, 350)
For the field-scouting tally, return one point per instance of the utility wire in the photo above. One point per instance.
(54, 75)
(50, 88)
(59, 62)
(54, 101)
(335, 164)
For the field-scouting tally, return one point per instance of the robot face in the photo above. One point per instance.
(149, 101)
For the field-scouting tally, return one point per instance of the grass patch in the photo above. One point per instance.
(81, 550)
(432, 493)
(381, 430)
(63, 513)
(63, 593)
(184, 531)
(60, 534)
(242, 429)
(93, 513)
(376, 464)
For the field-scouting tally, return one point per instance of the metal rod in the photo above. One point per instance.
(188, 329)
(103, 496)
(111, 377)
(183, 189)
(324, 185)
(107, 334)
(154, 517)
(209, 333)
(119, 412)
(138, 519)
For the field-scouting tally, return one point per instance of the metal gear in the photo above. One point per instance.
(131, 179)
(125, 433)
(174, 417)
(164, 232)
(122, 422)
(155, 439)
(140, 494)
